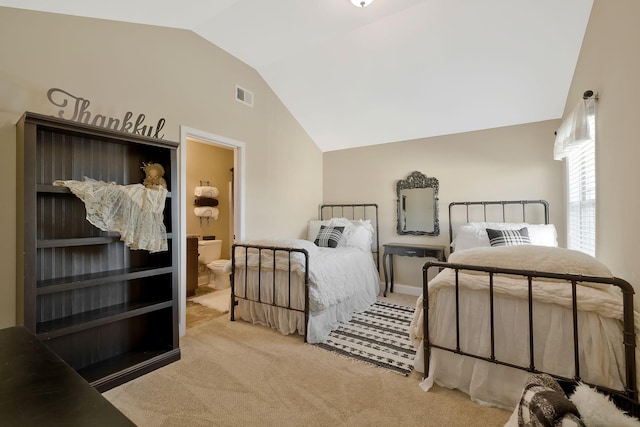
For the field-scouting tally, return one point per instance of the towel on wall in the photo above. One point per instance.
(210, 192)
(206, 212)
(205, 201)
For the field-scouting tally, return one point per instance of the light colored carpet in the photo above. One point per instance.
(238, 374)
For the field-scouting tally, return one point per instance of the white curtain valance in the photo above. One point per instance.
(578, 127)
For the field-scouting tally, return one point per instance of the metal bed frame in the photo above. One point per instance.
(326, 211)
(626, 400)
(274, 250)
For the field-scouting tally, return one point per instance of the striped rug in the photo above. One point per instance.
(378, 336)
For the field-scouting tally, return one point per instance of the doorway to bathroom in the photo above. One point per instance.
(208, 162)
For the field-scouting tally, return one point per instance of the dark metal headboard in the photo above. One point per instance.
(362, 211)
(505, 208)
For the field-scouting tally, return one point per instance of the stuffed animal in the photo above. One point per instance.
(154, 175)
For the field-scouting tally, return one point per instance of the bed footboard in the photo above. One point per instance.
(269, 278)
(626, 399)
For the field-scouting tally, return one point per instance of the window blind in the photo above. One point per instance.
(581, 182)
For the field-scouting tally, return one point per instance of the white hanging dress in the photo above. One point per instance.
(134, 211)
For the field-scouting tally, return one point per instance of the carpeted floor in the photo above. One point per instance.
(238, 374)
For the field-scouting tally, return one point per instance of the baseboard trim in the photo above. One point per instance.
(399, 288)
(127, 374)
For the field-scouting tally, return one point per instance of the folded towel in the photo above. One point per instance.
(206, 211)
(206, 192)
(206, 201)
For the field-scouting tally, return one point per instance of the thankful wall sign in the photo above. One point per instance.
(76, 108)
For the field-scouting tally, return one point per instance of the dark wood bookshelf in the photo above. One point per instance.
(62, 284)
(79, 241)
(91, 319)
(127, 366)
(55, 189)
(108, 311)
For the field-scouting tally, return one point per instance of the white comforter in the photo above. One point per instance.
(594, 301)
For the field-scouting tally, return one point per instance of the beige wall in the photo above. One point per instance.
(509, 163)
(163, 73)
(206, 162)
(176, 75)
(609, 63)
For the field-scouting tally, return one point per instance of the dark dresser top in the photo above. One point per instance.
(37, 388)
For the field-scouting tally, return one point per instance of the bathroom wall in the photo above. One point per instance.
(206, 162)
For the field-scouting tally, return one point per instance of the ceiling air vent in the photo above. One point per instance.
(244, 96)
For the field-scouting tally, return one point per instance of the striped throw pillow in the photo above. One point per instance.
(508, 237)
(328, 237)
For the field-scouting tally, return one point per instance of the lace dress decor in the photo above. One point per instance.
(134, 211)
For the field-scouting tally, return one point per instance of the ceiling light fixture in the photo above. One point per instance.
(361, 3)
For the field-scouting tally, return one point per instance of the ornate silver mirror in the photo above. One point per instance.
(418, 205)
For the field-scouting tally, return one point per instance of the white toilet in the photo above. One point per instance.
(209, 255)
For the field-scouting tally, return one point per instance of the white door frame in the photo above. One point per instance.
(239, 148)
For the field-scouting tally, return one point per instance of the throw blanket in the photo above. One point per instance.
(333, 272)
(282, 260)
(603, 299)
(544, 404)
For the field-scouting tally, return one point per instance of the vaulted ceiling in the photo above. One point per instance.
(393, 71)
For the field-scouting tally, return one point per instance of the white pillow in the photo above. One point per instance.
(474, 234)
(357, 233)
(543, 234)
(360, 235)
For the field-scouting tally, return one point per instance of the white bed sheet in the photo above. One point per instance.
(602, 361)
(600, 335)
(342, 281)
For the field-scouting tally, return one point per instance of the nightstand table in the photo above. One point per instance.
(411, 250)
